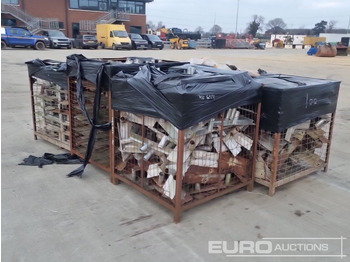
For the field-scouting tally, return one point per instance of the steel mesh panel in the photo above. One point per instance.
(51, 112)
(298, 149)
(217, 154)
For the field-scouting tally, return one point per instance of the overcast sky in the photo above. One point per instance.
(189, 14)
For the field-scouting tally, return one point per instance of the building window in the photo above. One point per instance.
(132, 7)
(114, 4)
(74, 4)
(8, 22)
(11, 2)
(139, 8)
(100, 5)
(88, 4)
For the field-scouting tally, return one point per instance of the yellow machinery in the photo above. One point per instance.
(278, 43)
(313, 40)
(180, 39)
(178, 43)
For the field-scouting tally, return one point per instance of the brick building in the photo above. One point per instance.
(74, 17)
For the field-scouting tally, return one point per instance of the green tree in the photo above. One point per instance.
(320, 27)
(255, 25)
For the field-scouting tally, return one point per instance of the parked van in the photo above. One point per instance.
(113, 36)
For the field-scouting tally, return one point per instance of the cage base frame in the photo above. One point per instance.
(272, 186)
(178, 208)
(51, 140)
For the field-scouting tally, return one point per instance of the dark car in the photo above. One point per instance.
(137, 42)
(57, 39)
(85, 41)
(153, 41)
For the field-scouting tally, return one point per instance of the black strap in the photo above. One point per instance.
(94, 121)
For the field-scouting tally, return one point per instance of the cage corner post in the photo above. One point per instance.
(273, 179)
(179, 174)
(250, 186)
(330, 137)
(114, 180)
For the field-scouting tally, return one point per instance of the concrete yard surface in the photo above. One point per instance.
(48, 217)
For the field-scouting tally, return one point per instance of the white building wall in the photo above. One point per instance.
(333, 38)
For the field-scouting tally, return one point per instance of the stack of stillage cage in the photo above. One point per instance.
(183, 134)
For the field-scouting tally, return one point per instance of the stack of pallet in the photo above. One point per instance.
(51, 112)
(50, 106)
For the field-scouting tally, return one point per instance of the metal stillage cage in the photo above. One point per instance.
(89, 100)
(189, 136)
(297, 123)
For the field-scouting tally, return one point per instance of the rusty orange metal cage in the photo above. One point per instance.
(294, 153)
(181, 169)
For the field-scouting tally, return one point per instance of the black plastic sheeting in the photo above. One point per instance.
(98, 72)
(80, 66)
(88, 68)
(185, 95)
(290, 100)
(94, 121)
(49, 159)
(49, 70)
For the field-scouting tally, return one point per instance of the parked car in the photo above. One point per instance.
(137, 42)
(85, 41)
(153, 41)
(19, 36)
(57, 38)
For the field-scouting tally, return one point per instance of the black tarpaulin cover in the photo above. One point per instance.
(99, 72)
(184, 99)
(88, 68)
(79, 65)
(49, 70)
(290, 100)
